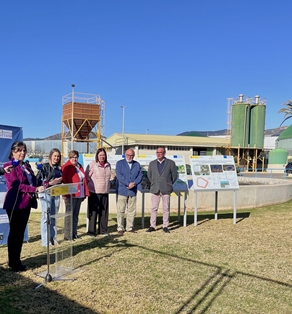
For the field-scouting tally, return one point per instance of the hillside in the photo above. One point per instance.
(268, 132)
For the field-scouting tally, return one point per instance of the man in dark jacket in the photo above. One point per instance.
(129, 175)
(162, 173)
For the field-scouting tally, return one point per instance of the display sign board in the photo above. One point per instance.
(181, 184)
(64, 189)
(213, 173)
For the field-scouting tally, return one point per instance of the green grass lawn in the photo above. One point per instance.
(215, 267)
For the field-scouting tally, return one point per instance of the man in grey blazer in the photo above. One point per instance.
(162, 173)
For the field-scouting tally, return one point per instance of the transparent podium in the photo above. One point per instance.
(59, 249)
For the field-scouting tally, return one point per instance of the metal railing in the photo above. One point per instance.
(279, 173)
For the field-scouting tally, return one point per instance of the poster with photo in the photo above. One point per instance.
(144, 161)
(181, 184)
(213, 173)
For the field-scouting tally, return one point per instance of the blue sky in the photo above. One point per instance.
(172, 63)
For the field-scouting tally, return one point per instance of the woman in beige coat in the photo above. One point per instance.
(98, 174)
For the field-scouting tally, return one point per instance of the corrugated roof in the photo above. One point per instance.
(174, 140)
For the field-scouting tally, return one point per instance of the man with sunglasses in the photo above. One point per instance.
(162, 173)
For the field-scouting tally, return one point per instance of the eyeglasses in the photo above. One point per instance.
(74, 157)
(159, 152)
(129, 155)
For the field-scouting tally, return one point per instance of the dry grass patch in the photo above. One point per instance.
(216, 267)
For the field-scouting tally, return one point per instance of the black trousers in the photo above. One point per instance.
(97, 206)
(18, 219)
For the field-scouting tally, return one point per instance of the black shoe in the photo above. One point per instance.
(22, 267)
(54, 241)
(92, 235)
(77, 237)
(150, 229)
(165, 229)
(17, 268)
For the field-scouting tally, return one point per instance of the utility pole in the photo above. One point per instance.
(123, 126)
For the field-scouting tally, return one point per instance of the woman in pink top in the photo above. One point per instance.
(98, 174)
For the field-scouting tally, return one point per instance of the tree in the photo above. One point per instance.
(287, 110)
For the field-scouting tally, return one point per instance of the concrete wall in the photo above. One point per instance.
(262, 192)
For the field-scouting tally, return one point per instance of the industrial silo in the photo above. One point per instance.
(240, 123)
(257, 124)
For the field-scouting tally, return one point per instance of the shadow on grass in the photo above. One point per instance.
(200, 300)
(203, 298)
(111, 228)
(16, 300)
(78, 246)
(100, 242)
(201, 218)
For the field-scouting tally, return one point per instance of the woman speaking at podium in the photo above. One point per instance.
(21, 186)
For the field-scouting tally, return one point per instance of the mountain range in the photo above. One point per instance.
(268, 132)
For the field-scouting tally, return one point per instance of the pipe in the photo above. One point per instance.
(245, 118)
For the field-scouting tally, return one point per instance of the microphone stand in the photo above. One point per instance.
(48, 276)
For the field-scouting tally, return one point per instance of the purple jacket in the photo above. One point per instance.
(18, 187)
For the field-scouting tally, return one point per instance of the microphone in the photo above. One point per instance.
(15, 163)
(39, 166)
(27, 163)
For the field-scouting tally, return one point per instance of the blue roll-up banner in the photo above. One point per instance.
(8, 135)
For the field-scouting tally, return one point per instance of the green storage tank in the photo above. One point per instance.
(287, 134)
(257, 126)
(240, 124)
(278, 156)
(209, 151)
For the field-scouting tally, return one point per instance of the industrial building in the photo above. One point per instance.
(145, 144)
(82, 121)
(83, 124)
(284, 141)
